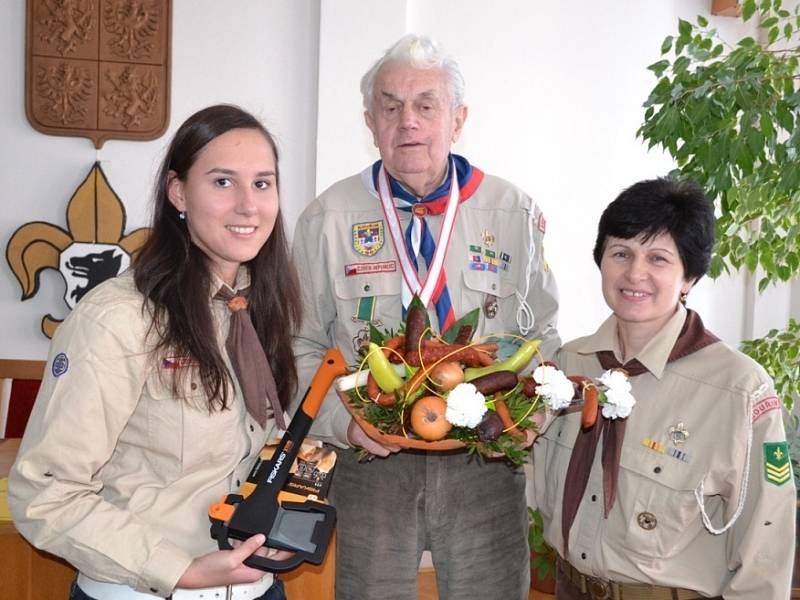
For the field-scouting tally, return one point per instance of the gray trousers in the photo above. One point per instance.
(471, 514)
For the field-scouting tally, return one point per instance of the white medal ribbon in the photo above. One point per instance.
(411, 283)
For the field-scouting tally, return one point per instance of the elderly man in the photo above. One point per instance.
(421, 220)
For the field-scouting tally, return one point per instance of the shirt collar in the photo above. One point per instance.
(242, 281)
(653, 356)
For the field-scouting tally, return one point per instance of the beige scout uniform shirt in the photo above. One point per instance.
(498, 219)
(654, 533)
(114, 473)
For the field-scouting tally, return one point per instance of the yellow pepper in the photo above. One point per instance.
(515, 362)
(382, 370)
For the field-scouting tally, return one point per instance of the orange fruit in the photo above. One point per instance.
(427, 418)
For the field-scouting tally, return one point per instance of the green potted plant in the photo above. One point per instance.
(543, 556)
(729, 115)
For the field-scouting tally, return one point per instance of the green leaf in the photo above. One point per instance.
(659, 67)
(470, 320)
(684, 27)
(376, 336)
(702, 21)
(773, 34)
(666, 45)
(768, 22)
(748, 9)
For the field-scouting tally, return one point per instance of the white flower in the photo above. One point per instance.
(554, 387)
(618, 398)
(465, 406)
(615, 380)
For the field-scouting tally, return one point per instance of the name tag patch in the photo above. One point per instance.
(387, 266)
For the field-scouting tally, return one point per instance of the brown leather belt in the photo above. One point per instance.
(600, 589)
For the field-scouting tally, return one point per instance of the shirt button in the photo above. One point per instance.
(583, 555)
(367, 287)
(594, 498)
(494, 286)
(193, 386)
(154, 590)
(647, 521)
(238, 483)
(657, 470)
(252, 428)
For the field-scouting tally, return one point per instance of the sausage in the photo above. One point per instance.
(495, 382)
(375, 394)
(415, 325)
(591, 397)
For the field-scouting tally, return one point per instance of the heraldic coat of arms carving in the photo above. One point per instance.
(98, 68)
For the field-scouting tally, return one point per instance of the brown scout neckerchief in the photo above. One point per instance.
(250, 361)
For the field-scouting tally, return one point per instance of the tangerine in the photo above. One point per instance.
(427, 418)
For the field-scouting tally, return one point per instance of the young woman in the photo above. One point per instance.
(691, 495)
(159, 391)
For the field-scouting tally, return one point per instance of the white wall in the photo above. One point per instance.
(260, 54)
(554, 90)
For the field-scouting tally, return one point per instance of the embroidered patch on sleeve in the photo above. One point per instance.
(60, 364)
(542, 223)
(777, 468)
(368, 238)
(764, 406)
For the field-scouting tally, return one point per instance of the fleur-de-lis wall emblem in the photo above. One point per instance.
(92, 249)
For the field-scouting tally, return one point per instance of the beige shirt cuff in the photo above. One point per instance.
(162, 571)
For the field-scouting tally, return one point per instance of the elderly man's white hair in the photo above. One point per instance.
(420, 52)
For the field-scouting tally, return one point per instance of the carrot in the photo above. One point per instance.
(495, 382)
(591, 397)
(374, 393)
(392, 349)
(508, 423)
(413, 384)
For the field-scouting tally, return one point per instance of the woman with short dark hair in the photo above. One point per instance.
(691, 495)
(160, 393)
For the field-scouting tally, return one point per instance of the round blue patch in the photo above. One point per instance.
(60, 364)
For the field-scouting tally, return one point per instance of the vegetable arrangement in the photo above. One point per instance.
(421, 390)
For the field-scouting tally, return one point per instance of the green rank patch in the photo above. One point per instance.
(777, 468)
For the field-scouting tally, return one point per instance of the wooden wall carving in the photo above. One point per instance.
(98, 68)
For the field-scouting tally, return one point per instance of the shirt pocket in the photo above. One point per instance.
(353, 296)
(658, 502)
(180, 430)
(479, 288)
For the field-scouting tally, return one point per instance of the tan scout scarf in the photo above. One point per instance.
(250, 361)
(693, 337)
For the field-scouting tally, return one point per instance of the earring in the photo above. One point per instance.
(684, 296)
(182, 215)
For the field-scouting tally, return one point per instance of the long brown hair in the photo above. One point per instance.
(174, 274)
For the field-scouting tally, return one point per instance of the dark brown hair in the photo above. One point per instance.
(174, 274)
